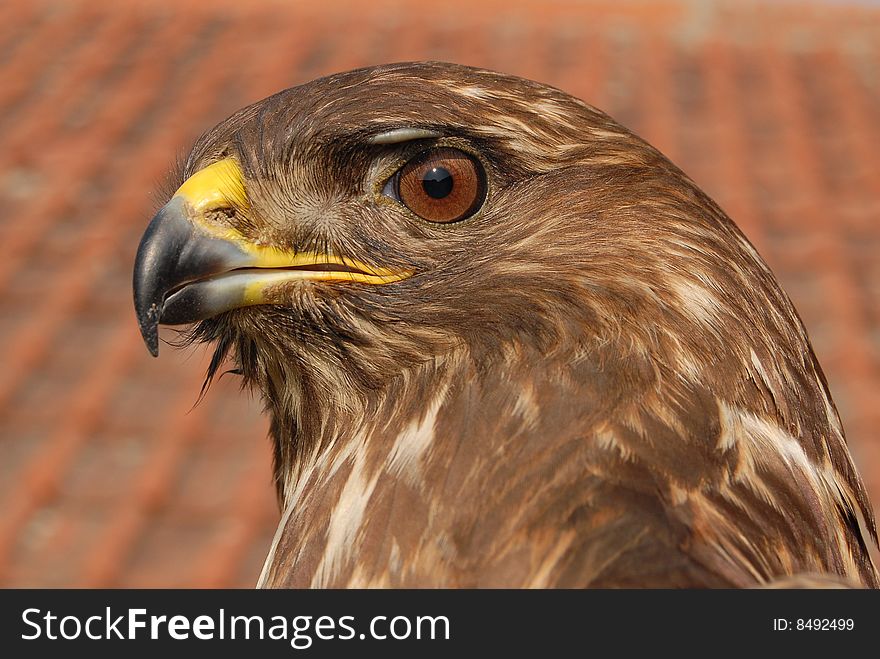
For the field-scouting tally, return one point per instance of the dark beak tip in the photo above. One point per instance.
(151, 340)
(154, 268)
(148, 322)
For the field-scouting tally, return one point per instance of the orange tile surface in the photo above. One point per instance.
(108, 474)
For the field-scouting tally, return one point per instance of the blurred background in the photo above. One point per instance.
(110, 477)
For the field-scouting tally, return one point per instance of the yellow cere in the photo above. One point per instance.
(218, 185)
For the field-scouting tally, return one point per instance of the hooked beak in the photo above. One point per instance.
(188, 269)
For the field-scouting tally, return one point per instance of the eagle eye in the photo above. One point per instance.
(440, 185)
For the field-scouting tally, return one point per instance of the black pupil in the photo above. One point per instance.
(437, 182)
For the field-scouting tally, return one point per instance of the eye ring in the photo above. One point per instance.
(440, 185)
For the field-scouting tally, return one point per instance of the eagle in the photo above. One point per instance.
(503, 342)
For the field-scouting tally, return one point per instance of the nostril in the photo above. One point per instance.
(223, 216)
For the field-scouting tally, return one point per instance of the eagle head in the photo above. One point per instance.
(377, 244)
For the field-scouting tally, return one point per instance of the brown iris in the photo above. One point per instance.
(442, 185)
